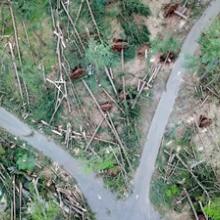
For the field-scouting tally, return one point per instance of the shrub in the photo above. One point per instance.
(99, 54)
(30, 10)
(213, 209)
(25, 162)
(165, 45)
(137, 7)
(136, 35)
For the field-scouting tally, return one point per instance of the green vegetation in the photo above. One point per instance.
(31, 181)
(136, 34)
(208, 62)
(99, 55)
(213, 209)
(164, 194)
(165, 45)
(135, 7)
(51, 210)
(179, 171)
(25, 161)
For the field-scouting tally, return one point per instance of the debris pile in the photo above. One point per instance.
(172, 9)
(169, 9)
(119, 45)
(167, 57)
(77, 73)
(204, 121)
(106, 107)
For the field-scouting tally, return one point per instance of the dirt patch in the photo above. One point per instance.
(178, 216)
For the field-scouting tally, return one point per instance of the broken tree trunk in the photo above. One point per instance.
(94, 134)
(93, 20)
(191, 204)
(16, 70)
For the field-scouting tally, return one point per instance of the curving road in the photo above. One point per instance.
(101, 201)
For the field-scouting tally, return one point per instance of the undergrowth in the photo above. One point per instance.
(31, 180)
(173, 177)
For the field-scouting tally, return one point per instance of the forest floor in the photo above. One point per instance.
(100, 115)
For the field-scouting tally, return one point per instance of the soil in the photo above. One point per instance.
(178, 216)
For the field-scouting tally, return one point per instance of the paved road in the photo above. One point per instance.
(102, 202)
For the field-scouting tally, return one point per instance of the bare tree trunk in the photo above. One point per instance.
(93, 20)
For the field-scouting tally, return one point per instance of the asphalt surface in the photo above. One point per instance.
(101, 201)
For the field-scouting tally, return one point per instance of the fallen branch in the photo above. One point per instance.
(94, 134)
(18, 50)
(111, 81)
(193, 175)
(79, 11)
(16, 70)
(191, 204)
(180, 14)
(93, 19)
(73, 25)
(113, 100)
(111, 125)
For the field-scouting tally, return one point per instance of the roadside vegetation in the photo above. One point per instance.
(31, 187)
(187, 169)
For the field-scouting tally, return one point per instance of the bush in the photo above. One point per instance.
(43, 210)
(210, 56)
(165, 45)
(210, 44)
(163, 194)
(43, 110)
(213, 209)
(30, 10)
(99, 54)
(136, 35)
(137, 7)
(25, 161)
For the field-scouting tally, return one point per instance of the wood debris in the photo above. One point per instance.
(201, 217)
(77, 73)
(169, 9)
(119, 45)
(106, 107)
(172, 9)
(142, 50)
(204, 121)
(111, 172)
(167, 57)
